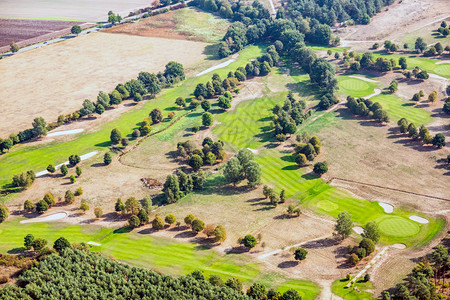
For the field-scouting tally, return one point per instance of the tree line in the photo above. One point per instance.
(422, 134)
(367, 108)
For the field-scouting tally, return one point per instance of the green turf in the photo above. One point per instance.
(398, 227)
(355, 87)
(397, 109)
(339, 288)
(37, 158)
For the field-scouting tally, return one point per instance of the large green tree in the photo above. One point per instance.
(344, 225)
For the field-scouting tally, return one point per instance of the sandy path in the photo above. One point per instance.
(376, 92)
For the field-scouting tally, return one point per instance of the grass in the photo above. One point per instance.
(339, 288)
(23, 157)
(163, 254)
(397, 109)
(355, 87)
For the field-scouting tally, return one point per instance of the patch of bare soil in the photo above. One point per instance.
(395, 20)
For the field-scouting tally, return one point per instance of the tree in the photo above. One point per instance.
(291, 294)
(115, 136)
(282, 196)
(216, 280)
(393, 86)
(39, 126)
(51, 169)
(366, 277)
(134, 221)
(220, 234)
(72, 178)
(420, 45)
(367, 244)
(195, 162)
(300, 254)
(74, 159)
(235, 284)
(371, 231)
(156, 115)
(207, 119)
(197, 225)
(205, 105)
(49, 199)
(28, 241)
(115, 98)
(233, 171)
(433, 96)
(170, 219)
(60, 244)
(353, 259)
(320, 168)
(28, 205)
(76, 29)
(402, 63)
(143, 216)
(69, 197)
(300, 159)
(135, 87)
(107, 158)
(224, 102)
(249, 241)
(119, 206)
(157, 223)
(98, 212)
(174, 69)
(124, 142)
(14, 47)
(344, 225)
(252, 172)
(88, 108)
(4, 212)
(84, 207)
(439, 140)
(41, 206)
(257, 291)
(189, 219)
(39, 244)
(132, 206)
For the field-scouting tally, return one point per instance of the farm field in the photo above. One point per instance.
(16, 30)
(76, 70)
(87, 10)
(185, 24)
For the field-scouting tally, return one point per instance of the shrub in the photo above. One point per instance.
(79, 191)
(353, 259)
(320, 168)
(78, 171)
(107, 158)
(134, 221)
(249, 241)
(98, 212)
(4, 213)
(157, 223)
(84, 207)
(170, 219)
(49, 199)
(197, 225)
(41, 206)
(69, 197)
(28, 205)
(72, 178)
(300, 254)
(74, 159)
(188, 219)
(64, 170)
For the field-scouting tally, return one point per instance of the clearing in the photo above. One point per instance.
(78, 69)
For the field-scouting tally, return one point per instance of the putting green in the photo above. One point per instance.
(398, 227)
(354, 84)
(355, 87)
(443, 69)
(327, 205)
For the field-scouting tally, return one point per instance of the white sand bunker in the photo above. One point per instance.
(52, 217)
(419, 219)
(376, 92)
(358, 229)
(387, 207)
(82, 157)
(253, 150)
(222, 65)
(94, 244)
(57, 133)
(442, 62)
(398, 246)
(363, 78)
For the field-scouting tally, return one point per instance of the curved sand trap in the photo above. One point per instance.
(419, 219)
(94, 244)
(387, 207)
(52, 217)
(376, 92)
(362, 78)
(253, 150)
(82, 157)
(398, 246)
(358, 229)
(222, 65)
(57, 133)
(442, 62)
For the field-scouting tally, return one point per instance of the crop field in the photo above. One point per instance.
(16, 30)
(21, 158)
(89, 10)
(77, 69)
(185, 24)
(152, 251)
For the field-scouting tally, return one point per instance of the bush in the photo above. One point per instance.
(74, 159)
(98, 212)
(4, 213)
(72, 178)
(170, 219)
(49, 199)
(69, 197)
(107, 158)
(84, 207)
(320, 168)
(79, 191)
(197, 225)
(41, 206)
(78, 171)
(300, 254)
(134, 221)
(28, 205)
(249, 241)
(64, 170)
(157, 223)
(353, 259)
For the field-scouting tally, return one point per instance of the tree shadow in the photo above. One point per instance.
(288, 264)
(16, 250)
(125, 229)
(322, 243)
(186, 235)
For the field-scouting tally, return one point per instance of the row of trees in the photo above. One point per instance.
(97, 276)
(39, 129)
(287, 117)
(423, 134)
(443, 29)
(365, 107)
(242, 166)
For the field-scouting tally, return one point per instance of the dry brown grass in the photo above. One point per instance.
(57, 78)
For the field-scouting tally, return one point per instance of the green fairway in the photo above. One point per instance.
(339, 288)
(37, 158)
(443, 69)
(398, 227)
(163, 254)
(355, 87)
(397, 109)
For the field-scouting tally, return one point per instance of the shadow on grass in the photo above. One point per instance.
(16, 250)
(125, 229)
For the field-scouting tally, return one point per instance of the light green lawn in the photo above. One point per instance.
(355, 87)
(339, 288)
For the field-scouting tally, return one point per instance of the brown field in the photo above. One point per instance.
(88, 10)
(57, 78)
(16, 30)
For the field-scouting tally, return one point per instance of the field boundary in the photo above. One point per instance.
(387, 188)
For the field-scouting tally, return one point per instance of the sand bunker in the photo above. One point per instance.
(442, 62)
(222, 65)
(82, 157)
(52, 217)
(377, 92)
(419, 219)
(363, 78)
(57, 133)
(253, 150)
(398, 246)
(387, 207)
(94, 244)
(358, 229)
